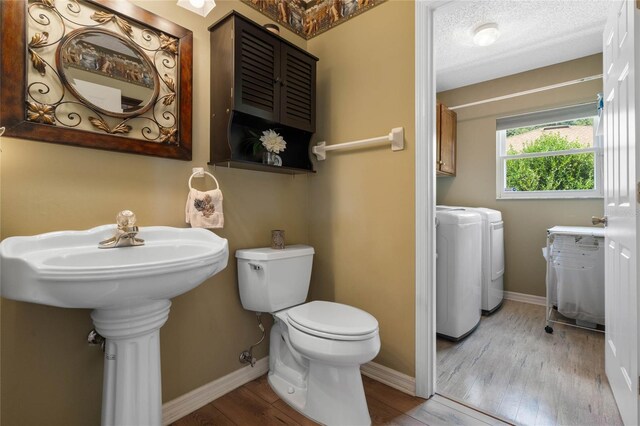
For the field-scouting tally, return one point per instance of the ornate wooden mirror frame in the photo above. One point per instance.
(162, 129)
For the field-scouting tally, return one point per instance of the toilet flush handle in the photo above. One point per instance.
(255, 266)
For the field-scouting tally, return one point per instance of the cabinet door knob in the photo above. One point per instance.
(277, 80)
(442, 163)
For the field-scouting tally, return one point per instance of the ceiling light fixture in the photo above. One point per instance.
(486, 34)
(201, 7)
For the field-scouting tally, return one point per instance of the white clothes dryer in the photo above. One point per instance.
(458, 273)
(492, 256)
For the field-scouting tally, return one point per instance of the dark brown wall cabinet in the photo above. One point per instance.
(259, 81)
(446, 126)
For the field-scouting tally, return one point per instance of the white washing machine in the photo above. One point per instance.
(492, 256)
(458, 273)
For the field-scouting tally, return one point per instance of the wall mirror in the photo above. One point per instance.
(103, 74)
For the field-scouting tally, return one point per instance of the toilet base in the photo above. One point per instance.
(328, 394)
(334, 395)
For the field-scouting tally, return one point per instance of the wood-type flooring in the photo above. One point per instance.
(509, 368)
(256, 404)
(512, 368)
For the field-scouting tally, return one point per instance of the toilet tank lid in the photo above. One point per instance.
(267, 253)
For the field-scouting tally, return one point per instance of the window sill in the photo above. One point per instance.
(549, 196)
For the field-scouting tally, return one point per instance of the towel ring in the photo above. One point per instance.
(206, 173)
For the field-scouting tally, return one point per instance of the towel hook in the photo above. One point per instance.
(201, 173)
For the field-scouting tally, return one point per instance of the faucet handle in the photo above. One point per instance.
(126, 219)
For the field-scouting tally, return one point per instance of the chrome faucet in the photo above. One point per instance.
(125, 234)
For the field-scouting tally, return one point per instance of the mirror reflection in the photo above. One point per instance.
(108, 72)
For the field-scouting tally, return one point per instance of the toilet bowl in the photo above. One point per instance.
(315, 348)
(318, 372)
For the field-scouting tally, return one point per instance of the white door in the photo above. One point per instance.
(621, 303)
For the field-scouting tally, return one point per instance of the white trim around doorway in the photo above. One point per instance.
(425, 192)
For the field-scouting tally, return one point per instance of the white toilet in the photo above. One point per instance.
(316, 348)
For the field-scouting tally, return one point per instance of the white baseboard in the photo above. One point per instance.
(190, 402)
(389, 377)
(525, 298)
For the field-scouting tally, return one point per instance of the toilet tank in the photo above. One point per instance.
(271, 280)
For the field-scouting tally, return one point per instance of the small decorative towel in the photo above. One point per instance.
(204, 209)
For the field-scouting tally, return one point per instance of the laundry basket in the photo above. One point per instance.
(575, 274)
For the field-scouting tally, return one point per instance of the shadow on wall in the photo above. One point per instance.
(444, 184)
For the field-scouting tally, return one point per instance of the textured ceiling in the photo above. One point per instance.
(533, 34)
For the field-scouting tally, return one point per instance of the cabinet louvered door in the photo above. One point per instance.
(298, 90)
(257, 69)
(250, 68)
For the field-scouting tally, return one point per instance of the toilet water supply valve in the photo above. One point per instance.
(94, 338)
(246, 357)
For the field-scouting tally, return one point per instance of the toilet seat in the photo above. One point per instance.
(334, 321)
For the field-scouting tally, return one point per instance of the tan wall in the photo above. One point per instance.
(362, 201)
(49, 375)
(526, 221)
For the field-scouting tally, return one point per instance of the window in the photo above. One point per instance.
(549, 154)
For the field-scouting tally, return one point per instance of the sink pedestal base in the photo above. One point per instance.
(131, 393)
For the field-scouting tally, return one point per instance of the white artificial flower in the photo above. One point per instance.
(272, 141)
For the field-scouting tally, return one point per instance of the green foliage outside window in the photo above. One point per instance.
(554, 173)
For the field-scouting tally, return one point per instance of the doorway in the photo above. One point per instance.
(426, 356)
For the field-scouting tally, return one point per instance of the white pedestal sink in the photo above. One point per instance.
(128, 289)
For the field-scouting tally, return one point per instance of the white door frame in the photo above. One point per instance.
(425, 191)
(425, 196)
